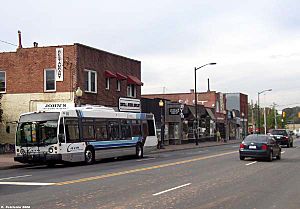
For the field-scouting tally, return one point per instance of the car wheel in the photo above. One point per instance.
(89, 156)
(270, 158)
(139, 151)
(278, 157)
(242, 158)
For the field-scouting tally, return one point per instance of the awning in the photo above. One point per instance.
(120, 76)
(109, 74)
(134, 80)
(210, 113)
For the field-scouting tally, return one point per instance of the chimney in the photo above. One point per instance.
(192, 91)
(35, 44)
(208, 88)
(20, 40)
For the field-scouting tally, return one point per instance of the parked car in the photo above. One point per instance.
(260, 146)
(283, 137)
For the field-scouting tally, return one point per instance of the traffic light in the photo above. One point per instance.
(283, 114)
(298, 114)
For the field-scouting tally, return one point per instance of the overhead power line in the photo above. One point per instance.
(8, 43)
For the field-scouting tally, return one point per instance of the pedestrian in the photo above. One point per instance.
(218, 136)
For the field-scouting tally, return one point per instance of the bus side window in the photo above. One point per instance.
(88, 129)
(72, 130)
(136, 128)
(145, 129)
(113, 130)
(61, 131)
(125, 129)
(151, 127)
(101, 129)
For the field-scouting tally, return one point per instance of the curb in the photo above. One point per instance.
(195, 147)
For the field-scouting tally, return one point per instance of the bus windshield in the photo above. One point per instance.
(37, 133)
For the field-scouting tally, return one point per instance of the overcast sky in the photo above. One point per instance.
(256, 43)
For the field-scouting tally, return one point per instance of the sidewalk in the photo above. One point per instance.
(7, 160)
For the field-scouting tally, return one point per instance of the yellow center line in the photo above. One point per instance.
(140, 169)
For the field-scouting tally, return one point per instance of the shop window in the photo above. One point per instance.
(107, 80)
(173, 130)
(118, 85)
(90, 81)
(131, 90)
(2, 81)
(49, 80)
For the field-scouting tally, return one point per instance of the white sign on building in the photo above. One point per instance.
(51, 106)
(129, 105)
(59, 76)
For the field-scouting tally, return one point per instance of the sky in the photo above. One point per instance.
(255, 43)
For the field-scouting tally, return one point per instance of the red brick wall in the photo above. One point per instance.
(25, 69)
(97, 60)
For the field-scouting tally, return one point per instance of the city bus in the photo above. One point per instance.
(83, 134)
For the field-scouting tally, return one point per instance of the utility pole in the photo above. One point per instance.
(275, 115)
(252, 117)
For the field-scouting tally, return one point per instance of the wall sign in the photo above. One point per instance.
(54, 106)
(59, 64)
(174, 111)
(129, 105)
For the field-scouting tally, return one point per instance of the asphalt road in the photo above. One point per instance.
(211, 177)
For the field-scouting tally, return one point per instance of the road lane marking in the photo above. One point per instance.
(141, 169)
(168, 190)
(282, 152)
(15, 177)
(152, 158)
(251, 163)
(26, 183)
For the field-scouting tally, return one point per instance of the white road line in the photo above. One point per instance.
(15, 177)
(251, 163)
(26, 183)
(168, 190)
(282, 152)
(152, 158)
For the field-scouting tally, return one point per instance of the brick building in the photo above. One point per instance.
(33, 77)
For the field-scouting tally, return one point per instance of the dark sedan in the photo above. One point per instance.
(260, 146)
(283, 137)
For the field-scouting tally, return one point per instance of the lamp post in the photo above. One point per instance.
(196, 108)
(258, 112)
(78, 94)
(162, 129)
(243, 127)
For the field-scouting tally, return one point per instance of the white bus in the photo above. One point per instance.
(83, 134)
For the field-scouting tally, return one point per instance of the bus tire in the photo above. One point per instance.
(89, 156)
(139, 151)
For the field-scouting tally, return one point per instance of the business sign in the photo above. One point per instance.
(52, 106)
(174, 111)
(129, 105)
(59, 76)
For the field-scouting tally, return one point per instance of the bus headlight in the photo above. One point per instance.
(50, 150)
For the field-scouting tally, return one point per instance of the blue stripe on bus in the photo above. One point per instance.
(116, 143)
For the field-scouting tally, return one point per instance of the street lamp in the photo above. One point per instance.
(258, 116)
(162, 129)
(78, 94)
(243, 130)
(196, 108)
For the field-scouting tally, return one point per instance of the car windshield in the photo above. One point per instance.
(40, 132)
(279, 132)
(256, 138)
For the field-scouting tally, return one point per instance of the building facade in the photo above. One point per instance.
(45, 77)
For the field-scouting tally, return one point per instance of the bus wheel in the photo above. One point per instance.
(89, 156)
(139, 151)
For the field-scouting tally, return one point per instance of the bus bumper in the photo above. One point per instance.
(38, 158)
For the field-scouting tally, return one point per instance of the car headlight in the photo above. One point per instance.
(50, 150)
